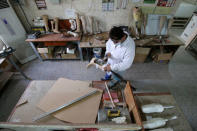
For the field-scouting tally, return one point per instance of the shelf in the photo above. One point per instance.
(179, 22)
(4, 77)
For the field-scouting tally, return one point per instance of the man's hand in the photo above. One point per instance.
(108, 55)
(107, 68)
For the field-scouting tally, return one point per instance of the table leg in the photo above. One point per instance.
(35, 51)
(87, 55)
(17, 68)
(80, 51)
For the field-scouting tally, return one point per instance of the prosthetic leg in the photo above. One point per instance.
(170, 21)
(45, 18)
(56, 30)
(78, 23)
(137, 16)
(91, 20)
(161, 24)
(84, 24)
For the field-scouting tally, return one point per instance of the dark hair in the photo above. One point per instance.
(116, 33)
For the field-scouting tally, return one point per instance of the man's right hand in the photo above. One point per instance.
(108, 55)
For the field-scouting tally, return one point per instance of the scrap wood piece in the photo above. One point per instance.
(64, 91)
(144, 42)
(22, 102)
(132, 104)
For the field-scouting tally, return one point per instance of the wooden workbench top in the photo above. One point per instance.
(91, 42)
(172, 40)
(37, 89)
(53, 38)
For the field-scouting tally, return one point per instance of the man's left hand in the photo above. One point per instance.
(107, 68)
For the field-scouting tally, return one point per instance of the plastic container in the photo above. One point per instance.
(97, 52)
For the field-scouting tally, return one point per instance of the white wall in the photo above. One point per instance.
(185, 10)
(85, 7)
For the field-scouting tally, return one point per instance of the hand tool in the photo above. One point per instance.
(113, 113)
(63, 106)
(110, 96)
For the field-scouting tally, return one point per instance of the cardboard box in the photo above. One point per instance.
(141, 54)
(163, 57)
(43, 50)
(68, 56)
(46, 56)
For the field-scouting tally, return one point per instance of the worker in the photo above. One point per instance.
(120, 51)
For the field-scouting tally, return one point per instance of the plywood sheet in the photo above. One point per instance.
(64, 91)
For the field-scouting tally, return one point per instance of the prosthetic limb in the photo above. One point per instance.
(90, 19)
(111, 82)
(84, 24)
(73, 24)
(137, 16)
(170, 21)
(124, 4)
(145, 22)
(161, 23)
(56, 20)
(45, 18)
(78, 23)
(92, 63)
(96, 27)
(119, 4)
(52, 25)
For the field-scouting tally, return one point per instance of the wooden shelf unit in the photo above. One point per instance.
(179, 22)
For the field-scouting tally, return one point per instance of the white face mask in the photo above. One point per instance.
(117, 43)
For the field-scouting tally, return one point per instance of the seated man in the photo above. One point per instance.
(120, 50)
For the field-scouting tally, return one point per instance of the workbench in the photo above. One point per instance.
(89, 42)
(21, 116)
(55, 40)
(5, 76)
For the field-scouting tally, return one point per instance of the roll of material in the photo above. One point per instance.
(156, 122)
(152, 108)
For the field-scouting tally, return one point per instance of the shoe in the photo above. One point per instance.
(107, 77)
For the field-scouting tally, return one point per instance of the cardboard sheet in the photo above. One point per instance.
(64, 91)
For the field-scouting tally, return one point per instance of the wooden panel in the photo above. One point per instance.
(132, 104)
(65, 91)
(165, 56)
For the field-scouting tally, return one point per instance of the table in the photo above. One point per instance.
(54, 38)
(14, 64)
(93, 41)
(23, 114)
(89, 42)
